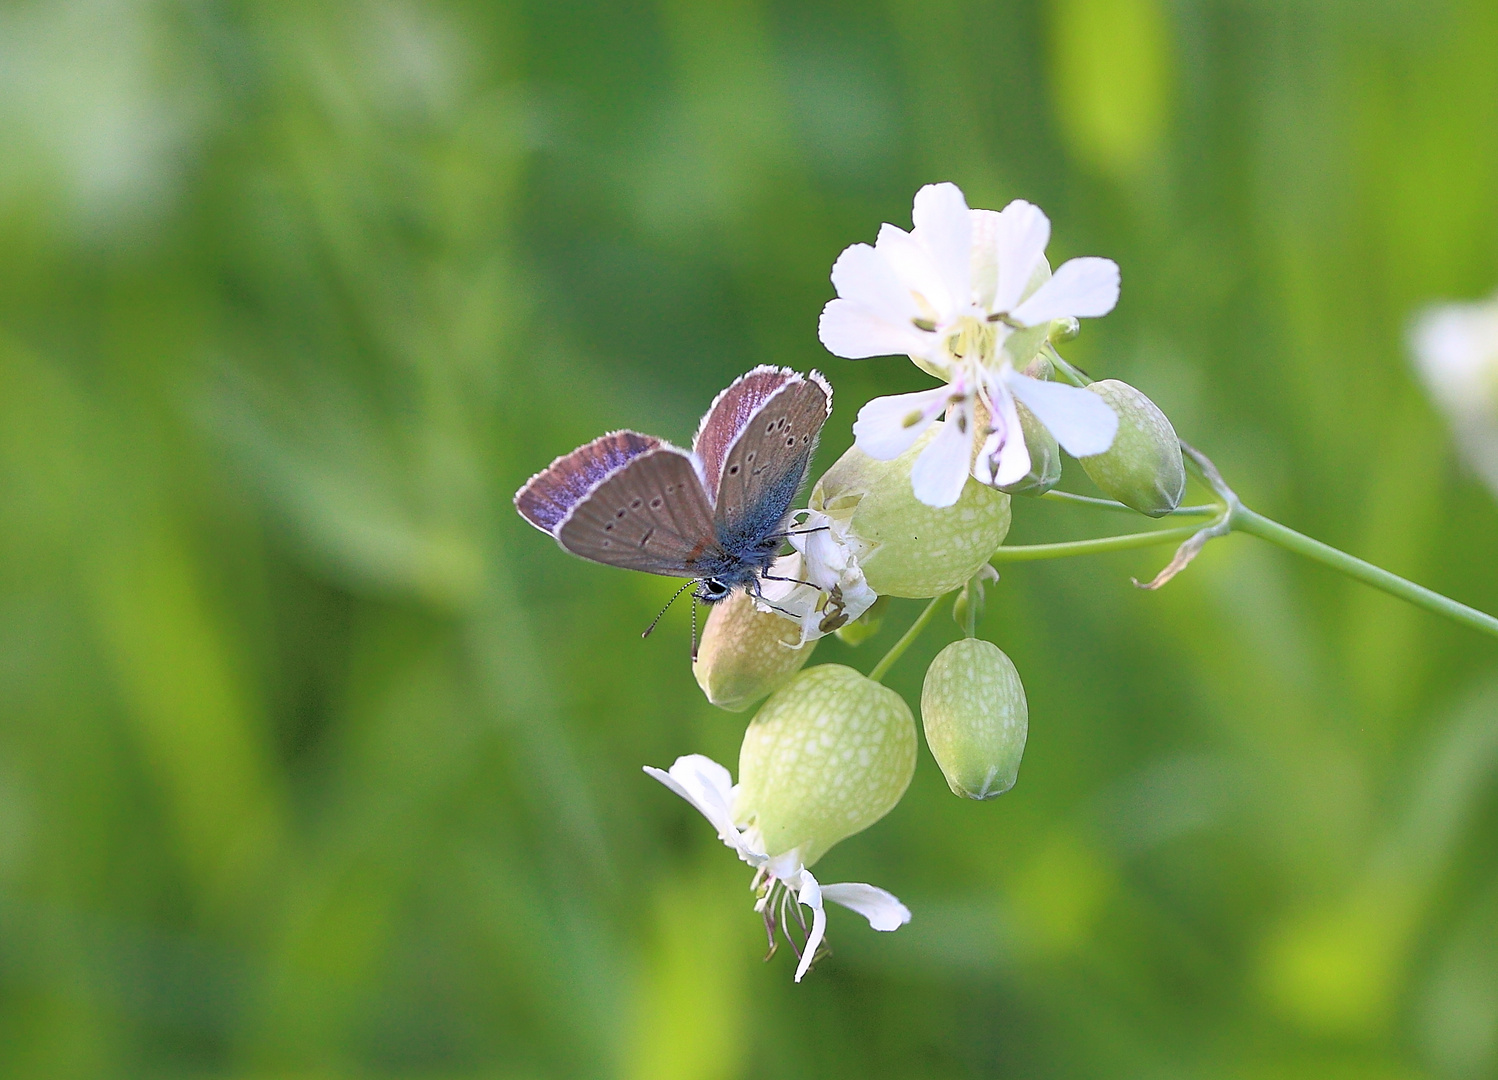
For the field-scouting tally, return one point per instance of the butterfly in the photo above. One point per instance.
(716, 514)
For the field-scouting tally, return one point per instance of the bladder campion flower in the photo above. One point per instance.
(968, 295)
(976, 719)
(906, 547)
(1143, 468)
(747, 653)
(826, 757)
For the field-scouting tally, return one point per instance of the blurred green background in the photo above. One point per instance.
(317, 762)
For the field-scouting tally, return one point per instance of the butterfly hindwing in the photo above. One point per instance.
(766, 463)
(651, 514)
(725, 418)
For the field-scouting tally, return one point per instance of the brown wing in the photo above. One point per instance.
(547, 497)
(725, 418)
(650, 515)
(765, 466)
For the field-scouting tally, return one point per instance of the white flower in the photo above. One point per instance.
(961, 294)
(782, 884)
(820, 585)
(1456, 351)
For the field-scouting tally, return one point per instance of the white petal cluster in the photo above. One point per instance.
(819, 585)
(1456, 352)
(958, 294)
(707, 786)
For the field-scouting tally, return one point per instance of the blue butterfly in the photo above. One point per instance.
(716, 514)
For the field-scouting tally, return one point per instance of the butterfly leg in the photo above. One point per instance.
(798, 581)
(798, 532)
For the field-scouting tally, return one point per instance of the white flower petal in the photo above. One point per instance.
(883, 910)
(1023, 233)
(944, 228)
(942, 468)
(854, 332)
(888, 426)
(985, 258)
(811, 896)
(1081, 421)
(1013, 463)
(862, 275)
(708, 786)
(913, 264)
(1082, 288)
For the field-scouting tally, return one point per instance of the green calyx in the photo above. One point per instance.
(1143, 468)
(828, 755)
(910, 549)
(1045, 457)
(976, 719)
(746, 653)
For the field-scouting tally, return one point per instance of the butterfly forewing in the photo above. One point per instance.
(549, 495)
(650, 515)
(765, 466)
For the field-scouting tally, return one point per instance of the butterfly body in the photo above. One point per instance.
(716, 514)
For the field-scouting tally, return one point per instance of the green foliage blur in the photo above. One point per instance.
(317, 762)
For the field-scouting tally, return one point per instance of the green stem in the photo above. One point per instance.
(898, 648)
(1209, 510)
(1245, 520)
(1031, 552)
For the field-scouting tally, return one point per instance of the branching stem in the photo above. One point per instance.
(1034, 552)
(1209, 510)
(898, 648)
(1245, 520)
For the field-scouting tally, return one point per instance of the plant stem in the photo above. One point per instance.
(1245, 520)
(1207, 510)
(1031, 552)
(898, 648)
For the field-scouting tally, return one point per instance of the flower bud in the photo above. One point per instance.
(1064, 330)
(906, 547)
(1143, 468)
(866, 625)
(826, 757)
(976, 719)
(746, 653)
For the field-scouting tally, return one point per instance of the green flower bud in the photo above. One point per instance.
(976, 719)
(907, 548)
(746, 653)
(1143, 468)
(1064, 330)
(866, 625)
(826, 757)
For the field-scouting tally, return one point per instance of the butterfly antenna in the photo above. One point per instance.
(796, 580)
(694, 628)
(658, 618)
